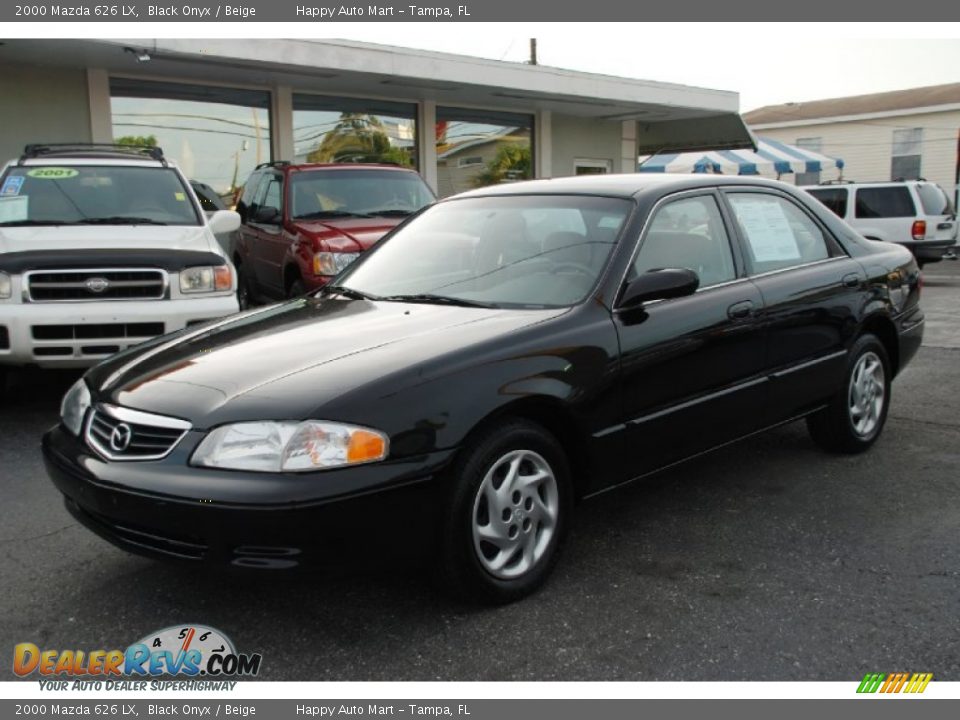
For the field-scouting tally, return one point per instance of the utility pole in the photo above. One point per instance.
(533, 51)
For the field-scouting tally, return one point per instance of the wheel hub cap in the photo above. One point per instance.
(866, 394)
(515, 514)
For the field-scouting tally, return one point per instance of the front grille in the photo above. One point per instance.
(97, 332)
(123, 434)
(58, 285)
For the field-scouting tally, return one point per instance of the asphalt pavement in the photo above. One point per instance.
(767, 560)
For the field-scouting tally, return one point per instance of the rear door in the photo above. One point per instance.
(691, 366)
(812, 291)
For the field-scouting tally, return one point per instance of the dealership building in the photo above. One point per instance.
(220, 107)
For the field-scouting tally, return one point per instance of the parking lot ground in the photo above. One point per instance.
(767, 560)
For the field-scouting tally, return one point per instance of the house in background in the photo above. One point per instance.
(883, 136)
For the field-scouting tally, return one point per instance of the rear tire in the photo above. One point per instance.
(246, 297)
(855, 417)
(507, 513)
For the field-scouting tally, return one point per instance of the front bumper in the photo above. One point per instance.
(80, 334)
(168, 509)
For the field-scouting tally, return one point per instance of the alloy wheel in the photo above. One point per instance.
(867, 394)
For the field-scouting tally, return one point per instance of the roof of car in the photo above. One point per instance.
(873, 183)
(626, 185)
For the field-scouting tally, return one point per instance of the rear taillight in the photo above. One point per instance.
(919, 229)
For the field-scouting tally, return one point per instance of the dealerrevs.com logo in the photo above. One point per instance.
(181, 650)
(892, 683)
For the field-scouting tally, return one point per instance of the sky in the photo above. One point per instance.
(767, 63)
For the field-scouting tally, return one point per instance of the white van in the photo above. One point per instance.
(914, 213)
(103, 247)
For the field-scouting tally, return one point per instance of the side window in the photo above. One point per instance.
(884, 202)
(273, 192)
(688, 233)
(834, 198)
(246, 205)
(778, 234)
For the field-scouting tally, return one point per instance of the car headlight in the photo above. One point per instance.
(74, 406)
(328, 263)
(205, 279)
(6, 286)
(289, 446)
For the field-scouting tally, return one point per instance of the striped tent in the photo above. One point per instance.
(771, 156)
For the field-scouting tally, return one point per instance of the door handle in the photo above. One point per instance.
(851, 280)
(740, 310)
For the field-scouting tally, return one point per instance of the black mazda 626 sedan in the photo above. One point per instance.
(497, 358)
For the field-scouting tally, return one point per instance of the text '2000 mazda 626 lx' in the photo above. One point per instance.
(497, 358)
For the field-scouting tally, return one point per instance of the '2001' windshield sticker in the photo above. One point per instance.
(53, 173)
(180, 196)
(14, 209)
(11, 186)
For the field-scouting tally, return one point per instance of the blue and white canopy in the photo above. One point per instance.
(771, 156)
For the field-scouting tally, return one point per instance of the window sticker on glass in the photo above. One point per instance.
(768, 230)
(53, 173)
(180, 196)
(13, 209)
(11, 186)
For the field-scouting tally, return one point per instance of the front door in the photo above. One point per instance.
(692, 367)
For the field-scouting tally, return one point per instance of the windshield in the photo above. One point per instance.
(94, 195)
(319, 194)
(508, 251)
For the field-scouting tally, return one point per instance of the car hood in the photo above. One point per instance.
(287, 361)
(104, 237)
(346, 234)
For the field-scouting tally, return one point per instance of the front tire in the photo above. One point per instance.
(296, 289)
(507, 514)
(855, 417)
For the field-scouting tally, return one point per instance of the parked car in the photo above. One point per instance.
(303, 224)
(501, 356)
(103, 247)
(914, 213)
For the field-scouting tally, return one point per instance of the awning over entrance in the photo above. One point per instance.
(771, 156)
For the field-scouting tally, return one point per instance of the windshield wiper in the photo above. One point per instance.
(348, 292)
(321, 214)
(394, 212)
(25, 223)
(120, 220)
(431, 299)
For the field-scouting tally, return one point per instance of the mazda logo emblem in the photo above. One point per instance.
(120, 437)
(97, 284)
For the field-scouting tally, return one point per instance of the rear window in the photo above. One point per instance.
(834, 198)
(884, 202)
(934, 200)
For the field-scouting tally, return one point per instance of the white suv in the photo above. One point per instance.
(103, 247)
(914, 213)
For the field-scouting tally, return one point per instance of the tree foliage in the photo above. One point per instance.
(513, 161)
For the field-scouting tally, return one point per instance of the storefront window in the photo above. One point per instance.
(216, 135)
(350, 130)
(476, 148)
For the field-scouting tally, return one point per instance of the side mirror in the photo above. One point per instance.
(659, 285)
(266, 215)
(223, 221)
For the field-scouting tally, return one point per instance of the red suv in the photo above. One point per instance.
(303, 224)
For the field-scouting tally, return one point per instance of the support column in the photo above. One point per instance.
(98, 95)
(427, 142)
(281, 133)
(543, 144)
(628, 142)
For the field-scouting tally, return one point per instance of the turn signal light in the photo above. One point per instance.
(222, 277)
(919, 229)
(365, 446)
